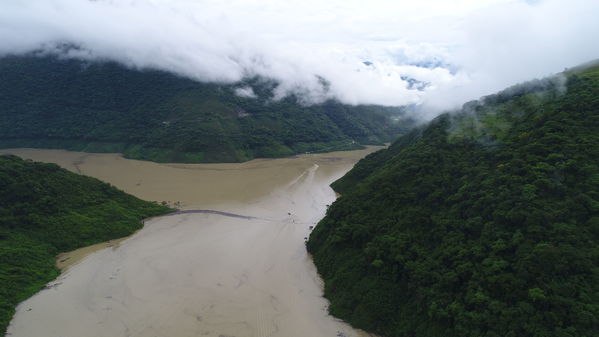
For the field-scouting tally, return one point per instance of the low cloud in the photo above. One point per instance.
(246, 91)
(432, 53)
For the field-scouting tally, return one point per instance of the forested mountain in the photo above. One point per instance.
(45, 210)
(484, 222)
(50, 102)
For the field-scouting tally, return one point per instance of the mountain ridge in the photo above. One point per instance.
(153, 115)
(484, 222)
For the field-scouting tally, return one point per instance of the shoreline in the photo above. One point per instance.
(66, 260)
(329, 149)
(231, 262)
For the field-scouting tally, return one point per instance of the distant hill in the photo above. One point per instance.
(47, 102)
(484, 222)
(45, 210)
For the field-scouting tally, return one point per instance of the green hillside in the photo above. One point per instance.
(47, 102)
(484, 222)
(45, 210)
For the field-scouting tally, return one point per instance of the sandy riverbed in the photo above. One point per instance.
(198, 274)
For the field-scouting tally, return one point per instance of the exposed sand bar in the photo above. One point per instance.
(237, 268)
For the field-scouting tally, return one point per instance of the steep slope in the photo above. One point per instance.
(104, 107)
(45, 210)
(483, 223)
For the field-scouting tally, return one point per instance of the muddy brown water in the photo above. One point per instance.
(237, 267)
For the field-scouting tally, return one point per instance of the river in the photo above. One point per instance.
(233, 264)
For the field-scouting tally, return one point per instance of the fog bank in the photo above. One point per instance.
(434, 53)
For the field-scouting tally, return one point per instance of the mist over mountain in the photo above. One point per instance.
(480, 219)
(461, 49)
(49, 102)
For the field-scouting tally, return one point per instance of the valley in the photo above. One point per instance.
(199, 273)
(299, 169)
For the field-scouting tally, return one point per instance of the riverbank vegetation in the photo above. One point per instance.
(45, 210)
(483, 223)
(48, 102)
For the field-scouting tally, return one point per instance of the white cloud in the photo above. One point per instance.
(246, 91)
(462, 48)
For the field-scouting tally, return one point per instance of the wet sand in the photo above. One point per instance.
(68, 259)
(237, 268)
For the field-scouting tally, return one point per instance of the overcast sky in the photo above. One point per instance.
(461, 48)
